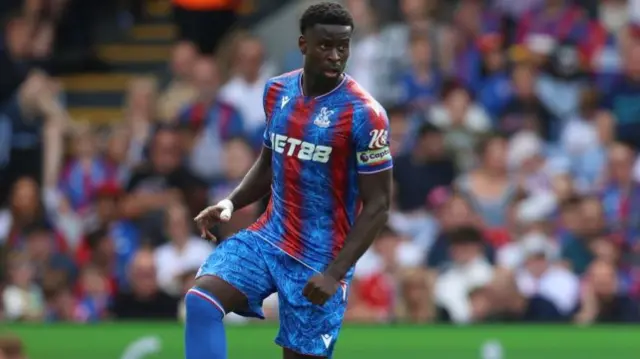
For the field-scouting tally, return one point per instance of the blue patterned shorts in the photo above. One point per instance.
(257, 268)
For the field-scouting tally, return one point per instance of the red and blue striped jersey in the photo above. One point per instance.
(319, 147)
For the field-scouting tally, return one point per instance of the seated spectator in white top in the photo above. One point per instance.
(533, 168)
(183, 251)
(513, 256)
(245, 89)
(469, 271)
(541, 278)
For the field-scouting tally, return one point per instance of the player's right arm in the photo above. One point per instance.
(255, 185)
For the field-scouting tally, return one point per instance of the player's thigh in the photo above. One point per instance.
(237, 275)
(305, 328)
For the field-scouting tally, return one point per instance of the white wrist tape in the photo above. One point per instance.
(227, 209)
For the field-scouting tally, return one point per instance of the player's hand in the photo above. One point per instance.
(211, 216)
(320, 288)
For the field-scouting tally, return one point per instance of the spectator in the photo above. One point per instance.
(95, 296)
(469, 270)
(400, 125)
(184, 250)
(525, 111)
(245, 88)
(513, 256)
(554, 22)
(145, 300)
(118, 156)
(602, 301)
(452, 213)
(36, 119)
(22, 298)
(179, 91)
(510, 305)
(426, 168)
(373, 276)
(140, 113)
(16, 50)
(26, 209)
(463, 57)
(39, 243)
(621, 199)
(576, 249)
(535, 169)
(495, 90)
(101, 252)
(614, 15)
(158, 183)
(488, 188)
(368, 64)
(462, 121)
(85, 171)
(238, 157)
(618, 101)
(581, 141)
(211, 120)
(420, 85)
(111, 240)
(416, 286)
(60, 303)
(540, 278)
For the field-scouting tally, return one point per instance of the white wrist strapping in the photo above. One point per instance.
(227, 209)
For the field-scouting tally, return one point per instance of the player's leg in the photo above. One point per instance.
(234, 278)
(206, 305)
(306, 330)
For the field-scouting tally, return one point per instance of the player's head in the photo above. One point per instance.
(325, 35)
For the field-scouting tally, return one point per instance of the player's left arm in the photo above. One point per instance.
(374, 164)
(370, 134)
(375, 192)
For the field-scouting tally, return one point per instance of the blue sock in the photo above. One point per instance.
(204, 334)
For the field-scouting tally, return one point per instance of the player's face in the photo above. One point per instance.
(326, 49)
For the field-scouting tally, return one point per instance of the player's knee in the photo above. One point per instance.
(200, 304)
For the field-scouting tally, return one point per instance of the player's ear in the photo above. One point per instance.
(302, 44)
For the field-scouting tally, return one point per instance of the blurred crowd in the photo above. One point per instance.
(515, 129)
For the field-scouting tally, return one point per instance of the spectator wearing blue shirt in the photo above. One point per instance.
(494, 91)
(211, 121)
(621, 101)
(420, 85)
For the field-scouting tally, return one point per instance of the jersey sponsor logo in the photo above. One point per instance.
(374, 157)
(378, 139)
(303, 150)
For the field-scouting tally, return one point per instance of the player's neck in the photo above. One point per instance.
(314, 87)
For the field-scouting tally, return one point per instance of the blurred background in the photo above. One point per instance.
(515, 130)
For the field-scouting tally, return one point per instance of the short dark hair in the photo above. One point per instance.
(570, 203)
(428, 128)
(488, 139)
(465, 235)
(36, 227)
(325, 13)
(95, 237)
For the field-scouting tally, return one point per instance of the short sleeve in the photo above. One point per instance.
(371, 137)
(267, 104)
